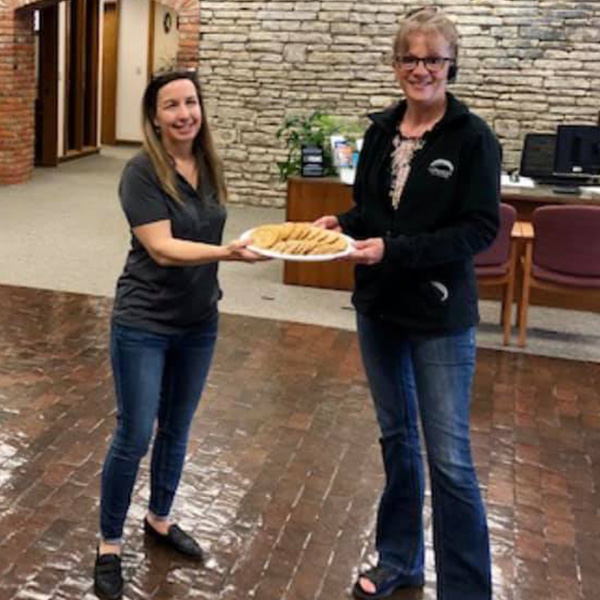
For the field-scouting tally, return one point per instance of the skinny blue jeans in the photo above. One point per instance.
(427, 375)
(158, 379)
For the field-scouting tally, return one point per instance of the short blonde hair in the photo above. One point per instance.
(426, 20)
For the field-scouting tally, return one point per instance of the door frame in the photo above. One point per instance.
(46, 130)
(81, 79)
(108, 133)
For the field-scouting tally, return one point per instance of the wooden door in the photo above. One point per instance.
(46, 105)
(81, 94)
(109, 74)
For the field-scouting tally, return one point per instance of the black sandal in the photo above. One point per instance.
(386, 581)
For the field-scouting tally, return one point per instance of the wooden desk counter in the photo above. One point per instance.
(526, 200)
(308, 199)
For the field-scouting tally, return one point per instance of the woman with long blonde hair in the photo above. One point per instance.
(165, 317)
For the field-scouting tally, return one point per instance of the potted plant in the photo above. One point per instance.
(314, 129)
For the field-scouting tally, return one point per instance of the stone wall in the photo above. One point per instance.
(525, 65)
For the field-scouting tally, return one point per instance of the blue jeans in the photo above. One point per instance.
(430, 376)
(158, 378)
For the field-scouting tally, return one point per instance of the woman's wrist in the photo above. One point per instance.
(225, 252)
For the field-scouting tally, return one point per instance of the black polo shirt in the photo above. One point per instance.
(167, 299)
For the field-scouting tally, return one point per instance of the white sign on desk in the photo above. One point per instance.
(591, 189)
(518, 181)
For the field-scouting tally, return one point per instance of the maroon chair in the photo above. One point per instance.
(563, 255)
(496, 266)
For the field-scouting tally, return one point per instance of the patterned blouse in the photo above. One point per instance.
(403, 151)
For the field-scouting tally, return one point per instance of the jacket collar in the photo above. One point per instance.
(388, 119)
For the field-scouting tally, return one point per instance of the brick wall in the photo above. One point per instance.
(189, 30)
(17, 79)
(525, 65)
(17, 95)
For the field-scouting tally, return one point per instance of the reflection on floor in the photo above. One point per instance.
(283, 474)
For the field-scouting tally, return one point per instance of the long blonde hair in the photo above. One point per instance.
(203, 146)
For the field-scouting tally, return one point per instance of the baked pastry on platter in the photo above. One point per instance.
(298, 238)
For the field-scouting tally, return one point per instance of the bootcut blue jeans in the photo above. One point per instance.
(158, 380)
(428, 376)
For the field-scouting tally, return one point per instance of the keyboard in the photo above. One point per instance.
(566, 189)
(559, 181)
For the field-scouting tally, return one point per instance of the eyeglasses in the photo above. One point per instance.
(434, 64)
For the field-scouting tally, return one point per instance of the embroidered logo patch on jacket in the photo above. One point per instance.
(441, 167)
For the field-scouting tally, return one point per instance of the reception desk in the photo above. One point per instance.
(526, 200)
(308, 199)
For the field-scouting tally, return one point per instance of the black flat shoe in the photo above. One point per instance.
(177, 539)
(108, 579)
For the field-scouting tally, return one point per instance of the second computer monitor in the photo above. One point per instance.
(577, 153)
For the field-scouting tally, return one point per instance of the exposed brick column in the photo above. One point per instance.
(17, 95)
(189, 32)
(17, 79)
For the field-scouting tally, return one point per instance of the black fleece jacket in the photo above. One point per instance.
(448, 212)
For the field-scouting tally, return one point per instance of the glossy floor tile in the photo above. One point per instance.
(283, 475)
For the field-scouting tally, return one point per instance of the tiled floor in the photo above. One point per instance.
(283, 474)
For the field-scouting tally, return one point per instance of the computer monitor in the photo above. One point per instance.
(577, 154)
(537, 157)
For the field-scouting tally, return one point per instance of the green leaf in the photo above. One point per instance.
(313, 129)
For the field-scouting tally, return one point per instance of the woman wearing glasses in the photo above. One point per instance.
(427, 197)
